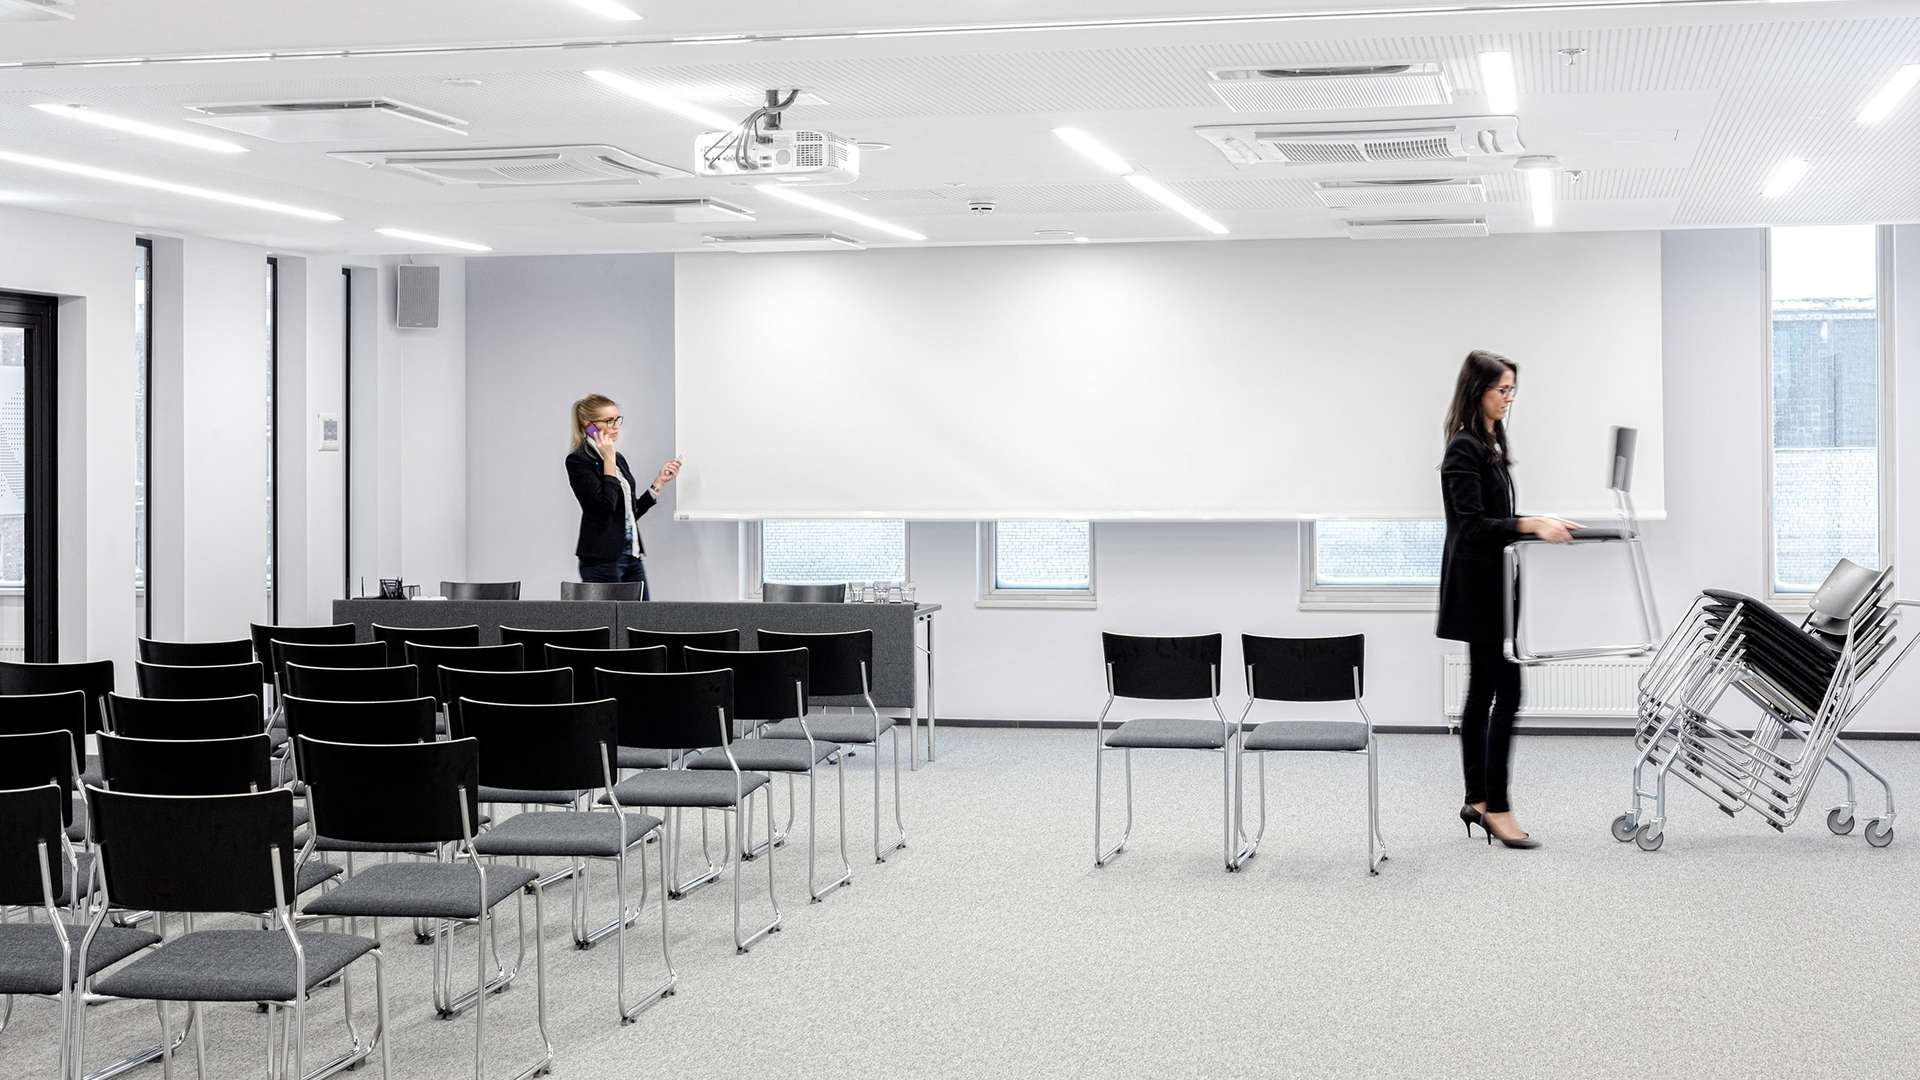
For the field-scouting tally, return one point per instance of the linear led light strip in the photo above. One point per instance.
(801, 198)
(429, 238)
(1162, 22)
(114, 176)
(1888, 97)
(140, 127)
(1097, 152)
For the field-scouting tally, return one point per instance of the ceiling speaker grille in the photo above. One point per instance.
(1416, 228)
(1347, 194)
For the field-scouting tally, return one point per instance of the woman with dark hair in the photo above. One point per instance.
(1476, 485)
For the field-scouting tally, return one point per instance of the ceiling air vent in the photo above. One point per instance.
(324, 121)
(1423, 228)
(35, 10)
(516, 166)
(662, 211)
(1420, 191)
(1362, 142)
(1341, 86)
(783, 242)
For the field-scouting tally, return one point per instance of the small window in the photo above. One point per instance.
(1036, 564)
(1372, 564)
(829, 552)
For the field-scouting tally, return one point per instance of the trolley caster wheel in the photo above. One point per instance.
(1840, 821)
(1649, 838)
(1879, 832)
(1624, 827)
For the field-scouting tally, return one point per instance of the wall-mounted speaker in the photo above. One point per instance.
(417, 297)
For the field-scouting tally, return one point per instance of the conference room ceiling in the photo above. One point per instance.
(1660, 115)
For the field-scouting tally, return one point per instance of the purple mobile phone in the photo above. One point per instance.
(593, 431)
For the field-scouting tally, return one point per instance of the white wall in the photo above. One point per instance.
(542, 331)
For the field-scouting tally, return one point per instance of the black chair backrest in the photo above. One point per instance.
(838, 664)
(353, 684)
(672, 710)
(397, 637)
(194, 852)
(1162, 668)
(352, 654)
(185, 718)
(175, 681)
(379, 723)
(545, 686)
(535, 640)
(766, 685)
(194, 653)
(480, 590)
(400, 794)
(41, 757)
(603, 590)
(563, 746)
(25, 714)
(431, 658)
(678, 643)
(31, 823)
(265, 634)
(585, 662)
(187, 766)
(777, 592)
(1305, 669)
(91, 677)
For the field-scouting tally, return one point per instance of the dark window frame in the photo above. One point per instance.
(146, 480)
(273, 441)
(40, 316)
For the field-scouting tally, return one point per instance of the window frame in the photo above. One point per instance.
(752, 541)
(40, 315)
(990, 595)
(1317, 597)
(1800, 602)
(144, 586)
(273, 441)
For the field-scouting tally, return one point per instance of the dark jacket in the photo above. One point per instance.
(603, 521)
(1481, 522)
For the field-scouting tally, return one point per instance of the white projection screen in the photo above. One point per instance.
(1227, 380)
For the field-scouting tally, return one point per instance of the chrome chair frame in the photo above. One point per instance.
(1103, 855)
(1376, 845)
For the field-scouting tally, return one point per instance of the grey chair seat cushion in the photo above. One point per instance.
(233, 965)
(30, 954)
(593, 834)
(1308, 735)
(313, 874)
(634, 757)
(682, 787)
(83, 869)
(489, 793)
(91, 773)
(766, 755)
(419, 889)
(328, 843)
(1168, 733)
(835, 727)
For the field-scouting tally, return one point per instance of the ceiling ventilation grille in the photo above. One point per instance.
(783, 242)
(1420, 191)
(324, 121)
(516, 166)
(662, 211)
(35, 10)
(1342, 86)
(1366, 141)
(1412, 228)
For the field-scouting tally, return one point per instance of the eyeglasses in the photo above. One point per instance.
(614, 422)
(1506, 391)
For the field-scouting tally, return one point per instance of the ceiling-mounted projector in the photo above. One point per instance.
(808, 157)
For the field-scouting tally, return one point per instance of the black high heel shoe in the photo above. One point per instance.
(1471, 817)
(1525, 843)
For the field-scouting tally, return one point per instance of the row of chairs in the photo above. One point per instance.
(772, 592)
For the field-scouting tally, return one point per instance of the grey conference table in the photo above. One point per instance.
(897, 628)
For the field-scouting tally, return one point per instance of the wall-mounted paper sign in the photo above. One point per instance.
(328, 430)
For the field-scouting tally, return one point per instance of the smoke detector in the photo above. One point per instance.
(980, 208)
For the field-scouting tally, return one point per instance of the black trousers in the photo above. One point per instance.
(1486, 723)
(618, 568)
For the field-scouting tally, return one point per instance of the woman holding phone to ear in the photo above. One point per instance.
(611, 504)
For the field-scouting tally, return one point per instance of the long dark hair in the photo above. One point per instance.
(1478, 374)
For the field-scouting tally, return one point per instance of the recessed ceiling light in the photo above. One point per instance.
(871, 147)
(1083, 239)
(460, 82)
(114, 176)
(429, 238)
(699, 114)
(1540, 192)
(1784, 177)
(1093, 150)
(140, 127)
(1496, 78)
(801, 198)
(610, 9)
(1888, 97)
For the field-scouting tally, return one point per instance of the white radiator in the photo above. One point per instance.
(1604, 688)
(15, 651)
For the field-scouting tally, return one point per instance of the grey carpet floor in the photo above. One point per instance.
(992, 947)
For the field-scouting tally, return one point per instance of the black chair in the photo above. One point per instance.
(194, 653)
(603, 590)
(356, 654)
(175, 681)
(423, 794)
(37, 958)
(769, 687)
(1327, 669)
(93, 678)
(1163, 669)
(677, 642)
(681, 713)
(354, 683)
(778, 592)
(586, 687)
(841, 665)
(548, 686)
(219, 853)
(27, 714)
(187, 718)
(383, 723)
(480, 590)
(32, 759)
(265, 634)
(397, 637)
(535, 640)
(568, 745)
(430, 658)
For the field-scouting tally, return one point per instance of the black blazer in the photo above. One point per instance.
(1481, 522)
(603, 521)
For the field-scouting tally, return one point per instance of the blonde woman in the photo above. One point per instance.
(611, 504)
